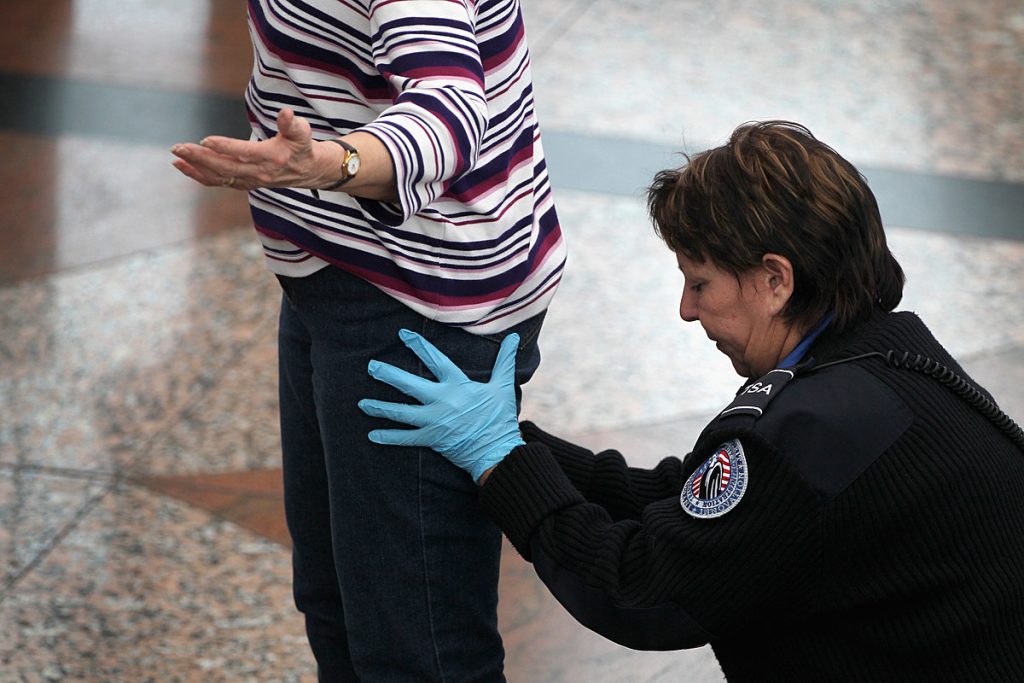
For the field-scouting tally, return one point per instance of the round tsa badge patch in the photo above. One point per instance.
(718, 484)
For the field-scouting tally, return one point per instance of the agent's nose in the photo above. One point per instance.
(687, 307)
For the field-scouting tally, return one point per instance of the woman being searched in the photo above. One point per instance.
(854, 514)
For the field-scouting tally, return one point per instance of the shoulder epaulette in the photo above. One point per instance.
(754, 398)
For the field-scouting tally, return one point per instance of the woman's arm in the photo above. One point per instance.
(431, 135)
(289, 159)
(429, 53)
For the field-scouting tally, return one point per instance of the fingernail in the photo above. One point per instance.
(175, 149)
(373, 365)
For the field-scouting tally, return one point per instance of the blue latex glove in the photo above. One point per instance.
(473, 424)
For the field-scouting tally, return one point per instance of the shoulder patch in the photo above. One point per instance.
(717, 486)
(755, 397)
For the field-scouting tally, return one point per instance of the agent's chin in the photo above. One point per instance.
(741, 368)
(738, 364)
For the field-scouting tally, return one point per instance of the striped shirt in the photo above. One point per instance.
(474, 240)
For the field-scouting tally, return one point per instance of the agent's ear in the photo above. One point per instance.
(778, 275)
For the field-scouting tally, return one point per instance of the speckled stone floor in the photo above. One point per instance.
(141, 536)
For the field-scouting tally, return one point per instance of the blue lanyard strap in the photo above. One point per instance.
(797, 354)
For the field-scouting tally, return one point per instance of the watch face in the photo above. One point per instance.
(352, 165)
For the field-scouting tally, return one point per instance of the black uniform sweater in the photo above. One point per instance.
(875, 529)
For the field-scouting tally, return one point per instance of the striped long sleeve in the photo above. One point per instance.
(474, 240)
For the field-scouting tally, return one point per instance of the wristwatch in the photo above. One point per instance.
(349, 165)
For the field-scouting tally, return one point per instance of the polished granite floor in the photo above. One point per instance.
(140, 520)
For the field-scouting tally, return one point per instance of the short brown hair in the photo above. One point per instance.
(775, 188)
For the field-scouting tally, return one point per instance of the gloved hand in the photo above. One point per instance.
(473, 424)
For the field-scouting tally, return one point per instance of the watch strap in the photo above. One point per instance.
(345, 177)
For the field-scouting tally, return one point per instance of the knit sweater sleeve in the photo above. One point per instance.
(605, 478)
(428, 53)
(666, 580)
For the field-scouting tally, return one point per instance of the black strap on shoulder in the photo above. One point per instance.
(754, 398)
(945, 376)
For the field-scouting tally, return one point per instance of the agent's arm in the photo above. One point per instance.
(474, 425)
(673, 578)
(626, 580)
(605, 478)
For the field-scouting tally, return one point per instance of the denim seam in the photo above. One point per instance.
(423, 540)
(426, 576)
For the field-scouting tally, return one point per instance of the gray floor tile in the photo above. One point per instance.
(886, 84)
(145, 589)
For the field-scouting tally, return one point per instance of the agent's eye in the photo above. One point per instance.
(697, 287)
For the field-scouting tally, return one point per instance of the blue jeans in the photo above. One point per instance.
(395, 565)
